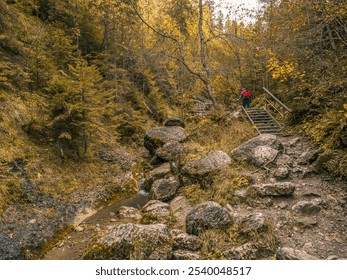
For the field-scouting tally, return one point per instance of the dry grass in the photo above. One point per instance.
(217, 131)
(216, 242)
(207, 134)
(222, 189)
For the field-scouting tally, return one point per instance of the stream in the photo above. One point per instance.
(137, 201)
(73, 246)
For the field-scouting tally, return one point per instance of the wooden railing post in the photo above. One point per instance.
(265, 100)
(284, 108)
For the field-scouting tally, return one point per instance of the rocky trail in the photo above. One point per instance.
(290, 209)
(311, 223)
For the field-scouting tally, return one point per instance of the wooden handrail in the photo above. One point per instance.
(283, 109)
(277, 100)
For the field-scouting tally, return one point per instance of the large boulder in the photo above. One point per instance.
(115, 244)
(152, 242)
(174, 122)
(132, 241)
(210, 163)
(207, 215)
(276, 189)
(164, 189)
(258, 150)
(159, 136)
(171, 151)
(286, 253)
(156, 174)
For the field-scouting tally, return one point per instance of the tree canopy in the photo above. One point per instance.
(86, 71)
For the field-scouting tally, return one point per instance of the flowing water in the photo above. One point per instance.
(76, 243)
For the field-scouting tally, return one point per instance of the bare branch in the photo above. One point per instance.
(206, 80)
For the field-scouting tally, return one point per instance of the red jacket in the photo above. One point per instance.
(246, 93)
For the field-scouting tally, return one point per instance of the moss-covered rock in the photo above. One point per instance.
(207, 215)
(131, 241)
(158, 136)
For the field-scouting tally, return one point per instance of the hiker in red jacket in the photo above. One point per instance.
(246, 98)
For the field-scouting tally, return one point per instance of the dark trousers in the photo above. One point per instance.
(246, 103)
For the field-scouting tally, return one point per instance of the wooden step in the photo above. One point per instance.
(268, 127)
(270, 131)
(264, 122)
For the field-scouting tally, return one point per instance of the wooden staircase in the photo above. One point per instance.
(263, 121)
(263, 118)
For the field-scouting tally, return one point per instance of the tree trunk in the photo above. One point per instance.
(207, 70)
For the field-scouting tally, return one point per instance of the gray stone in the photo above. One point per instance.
(247, 251)
(281, 172)
(212, 162)
(235, 114)
(158, 173)
(156, 208)
(309, 156)
(262, 155)
(332, 257)
(294, 141)
(311, 194)
(307, 207)
(269, 140)
(152, 242)
(306, 222)
(185, 255)
(159, 136)
(171, 151)
(205, 216)
(129, 213)
(176, 232)
(254, 222)
(132, 241)
(164, 189)
(277, 189)
(282, 205)
(286, 253)
(284, 160)
(185, 241)
(180, 207)
(174, 122)
(245, 152)
(241, 195)
(115, 244)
